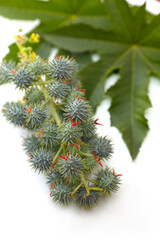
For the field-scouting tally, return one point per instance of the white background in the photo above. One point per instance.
(26, 209)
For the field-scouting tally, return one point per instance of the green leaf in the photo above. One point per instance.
(130, 100)
(57, 13)
(81, 37)
(133, 48)
(13, 53)
(94, 75)
(44, 49)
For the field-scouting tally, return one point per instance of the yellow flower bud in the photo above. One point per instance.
(35, 37)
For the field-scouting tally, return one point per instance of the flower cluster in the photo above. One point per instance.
(62, 142)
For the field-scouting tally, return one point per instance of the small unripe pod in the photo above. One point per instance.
(22, 78)
(87, 201)
(108, 180)
(41, 160)
(71, 167)
(102, 147)
(62, 68)
(14, 113)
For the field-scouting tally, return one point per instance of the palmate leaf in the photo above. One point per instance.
(56, 13)
(133, 48)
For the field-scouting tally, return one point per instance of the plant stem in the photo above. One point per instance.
(96, 188)
(85, 154)
(52, 107)
(85, 183)
(57, 154)
(82, 143)
(76, 189)
(64, 152)
(51, 121)
(46, 102)
(90, 180)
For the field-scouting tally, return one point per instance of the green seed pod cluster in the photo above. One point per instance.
(62, 142)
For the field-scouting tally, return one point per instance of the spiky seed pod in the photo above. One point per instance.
(88, 128)
(108, 180)
(14, 113)
(5, 71)
(74, 93)
(41, 160)
(79, 110)
(70, 134)
(62, 68)
(49, 134)
(37, 67)
(22, 78)
(102, 147)
(71, 167)
(32, 143)
(36, 117)
(86, 201)
(55, 177)
(58, 89)
(61, 193)
(34, 95)
(89, 163)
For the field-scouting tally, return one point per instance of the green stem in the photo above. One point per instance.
(52, 107)
(48, 82)
(61, 108)
(64, 152)
(85, 183)
(76, 189)
(61, 104)
(46, 121)
(96, 188)
(90, 180)
(38, 84)
(85, 154)
(46, 102)
(57, 154)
